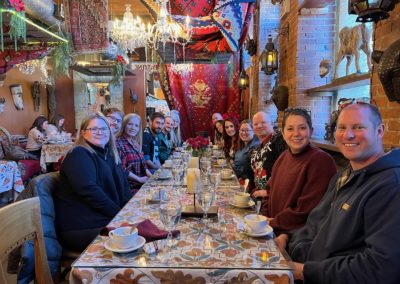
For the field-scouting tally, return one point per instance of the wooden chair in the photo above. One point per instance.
(20, 222)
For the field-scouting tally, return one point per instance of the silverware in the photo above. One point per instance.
(258, 207)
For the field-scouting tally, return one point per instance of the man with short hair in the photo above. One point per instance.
(164, 139)
(150, 145)
(114, 117)
(352, 236)
(264, 156)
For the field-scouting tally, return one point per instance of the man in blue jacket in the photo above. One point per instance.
(352, 236)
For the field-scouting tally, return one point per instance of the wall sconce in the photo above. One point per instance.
(371, 10)
(269, 56)
(243, 82)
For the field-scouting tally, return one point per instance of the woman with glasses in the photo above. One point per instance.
(92, 187)
(300, 175)
(129, 146)
(231, 137)
(247, 143)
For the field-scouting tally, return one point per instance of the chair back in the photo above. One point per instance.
(19, 222)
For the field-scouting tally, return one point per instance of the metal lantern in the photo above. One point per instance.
(243, 82)
(269, 58)
(371, 10)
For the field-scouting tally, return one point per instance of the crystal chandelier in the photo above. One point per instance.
(129, 33)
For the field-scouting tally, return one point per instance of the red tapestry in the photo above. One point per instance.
(9, 58)
(197, 95)
(88, 25)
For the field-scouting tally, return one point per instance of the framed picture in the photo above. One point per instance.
(16, 93)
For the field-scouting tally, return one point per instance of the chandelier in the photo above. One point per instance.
(129, 33)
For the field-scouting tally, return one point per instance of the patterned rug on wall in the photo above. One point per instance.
(87, 21)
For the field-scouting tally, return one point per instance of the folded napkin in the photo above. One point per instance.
(146, 229)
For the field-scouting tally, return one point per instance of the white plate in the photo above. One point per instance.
(227, 178)
(268, 230)
(111, 247)
(251, 203)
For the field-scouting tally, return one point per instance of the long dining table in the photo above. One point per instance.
(221, 253)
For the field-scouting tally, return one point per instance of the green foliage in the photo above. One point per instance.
(61, 60)
(17, 28)
(117, 72)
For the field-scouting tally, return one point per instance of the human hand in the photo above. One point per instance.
(143, 179)
(298, 271)
(281, 241)
(260, 193)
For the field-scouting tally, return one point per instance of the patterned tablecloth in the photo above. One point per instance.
(10, 177)
(220, 254)
(51, 153)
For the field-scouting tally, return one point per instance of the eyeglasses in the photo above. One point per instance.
(95, 130)
(296, 110)
(245, 130)
(114, 119)
(346, 102)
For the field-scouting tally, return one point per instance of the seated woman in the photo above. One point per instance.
(176, 137)
(231, 138)
(219, 133)
(300, 175)
(93, 186)
(247, 143)
(56, 128)
(36, 136)
(129, 146)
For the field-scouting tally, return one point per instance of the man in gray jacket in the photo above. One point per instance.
(352, 236)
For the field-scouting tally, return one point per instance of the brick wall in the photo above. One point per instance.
(386, 32)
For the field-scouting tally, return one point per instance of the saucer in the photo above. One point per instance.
(108, 244)
(251, 203)
(164, 177)
(230, 177)
(268, 230)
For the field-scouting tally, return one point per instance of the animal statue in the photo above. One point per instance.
(352, 40)
(389, 70)
(325, 66)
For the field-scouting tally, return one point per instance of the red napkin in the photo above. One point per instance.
(146, 229)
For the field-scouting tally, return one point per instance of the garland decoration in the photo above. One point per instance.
(118, 71)
(17, 23)
(61, 59)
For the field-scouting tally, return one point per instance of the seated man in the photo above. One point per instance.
(114, 117)
(164, 140)
(352, 235)
(151, 143)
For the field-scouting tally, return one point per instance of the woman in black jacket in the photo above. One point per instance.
(93, 187)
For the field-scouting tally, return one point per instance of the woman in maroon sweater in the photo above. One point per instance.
(300, 176)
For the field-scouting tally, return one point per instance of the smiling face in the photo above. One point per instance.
(297, 133)
(230, 128)
(246, 132)
(220, 127)
(61, 122)
(263, 126)
(115, 121)
(157, 125)
(97, 132)
(169, 122)
(132, 127)
(358, 138)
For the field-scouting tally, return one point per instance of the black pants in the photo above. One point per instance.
(78, 240)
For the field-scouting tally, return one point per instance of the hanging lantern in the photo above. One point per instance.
(269, 58)
(371, 10)
(243, 82)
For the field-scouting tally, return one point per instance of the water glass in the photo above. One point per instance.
(214, 179)
(170, 214)
(205, 197)
(205, 165)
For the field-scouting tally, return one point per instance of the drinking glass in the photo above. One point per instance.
(205, 196)
(214, 178)
(205, 165)
(170, 214)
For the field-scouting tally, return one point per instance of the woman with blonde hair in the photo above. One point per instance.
(129, 146)
(92, 188)
(176, 137)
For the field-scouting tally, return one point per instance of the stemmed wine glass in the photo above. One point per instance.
(214, 179)
(205, 165)
(177, 174)
(170, 214)
(205, 196)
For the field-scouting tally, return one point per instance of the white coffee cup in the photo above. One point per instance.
(226, 173)
(124, 237)
(168, 163)
(164, 173)
(241, 198)
(256, 223)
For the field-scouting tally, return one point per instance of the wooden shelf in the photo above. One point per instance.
(323, 144)
(350, 81)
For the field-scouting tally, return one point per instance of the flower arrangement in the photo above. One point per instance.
(118, 71)
(198, 144)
